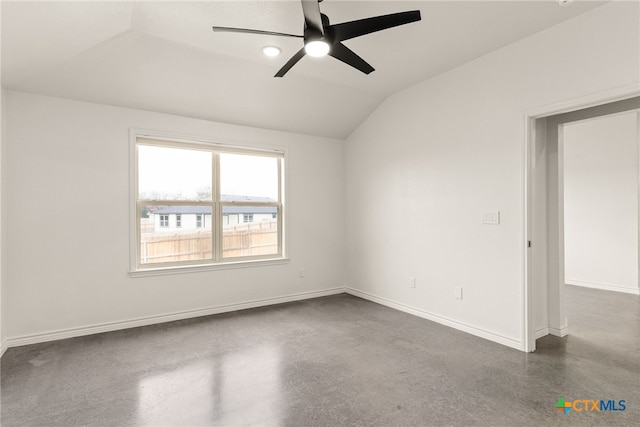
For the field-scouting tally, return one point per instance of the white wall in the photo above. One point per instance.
(450, 148)
(601, 202)
(66, 160)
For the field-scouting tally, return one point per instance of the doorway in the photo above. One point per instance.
(544, 302)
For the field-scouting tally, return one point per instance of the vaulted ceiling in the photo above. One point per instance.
(163, 56)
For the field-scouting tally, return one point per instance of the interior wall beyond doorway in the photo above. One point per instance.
(601, 202)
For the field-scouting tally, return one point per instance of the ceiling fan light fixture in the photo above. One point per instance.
(271, 51)
(316, 48)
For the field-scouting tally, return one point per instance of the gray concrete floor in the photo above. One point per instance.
(331, 361)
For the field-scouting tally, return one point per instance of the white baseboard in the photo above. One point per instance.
(542, 332)
(548, 330)
(473, 330)
(151, 320)
(3, 347)
(603, 286)
(562, 332)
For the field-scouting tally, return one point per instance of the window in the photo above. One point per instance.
(215, 192)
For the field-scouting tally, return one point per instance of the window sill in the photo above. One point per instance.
(206, 267)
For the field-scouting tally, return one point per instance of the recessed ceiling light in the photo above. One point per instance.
(316, 48)
(271, 51)
(564, 2)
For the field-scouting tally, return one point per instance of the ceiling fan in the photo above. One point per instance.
(322, 38)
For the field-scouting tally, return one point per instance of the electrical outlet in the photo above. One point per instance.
(491, 217)
(301, 273)
(412, 282)
(458, 293)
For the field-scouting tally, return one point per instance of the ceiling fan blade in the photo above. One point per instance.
(351, 29)
(312, 17)
(349, 57)
(290, 63)
(247, 31)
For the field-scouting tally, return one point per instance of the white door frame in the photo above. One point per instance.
(533, 267)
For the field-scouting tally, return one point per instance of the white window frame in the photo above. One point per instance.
(164, 220)
(215, 146)
(247, 218)
(178, 220)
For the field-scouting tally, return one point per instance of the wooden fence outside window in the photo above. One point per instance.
(250, 239)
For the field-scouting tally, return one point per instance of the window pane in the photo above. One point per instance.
(170, 233)
(173, 174)
(249, 175)
(249, 231)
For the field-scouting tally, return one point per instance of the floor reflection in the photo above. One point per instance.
(178, 396)
(239, 388)
(252, 387)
